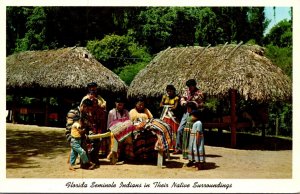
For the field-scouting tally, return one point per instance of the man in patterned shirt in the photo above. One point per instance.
(97, 121)
(192, 94)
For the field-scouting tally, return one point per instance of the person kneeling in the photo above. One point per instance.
(76, 138)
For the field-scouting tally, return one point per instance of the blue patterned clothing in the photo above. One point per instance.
(196, 150)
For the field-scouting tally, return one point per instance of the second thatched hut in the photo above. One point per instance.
(221, 71)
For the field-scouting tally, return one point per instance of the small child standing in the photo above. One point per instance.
(190, 107)
(196, 153)
(76, 139)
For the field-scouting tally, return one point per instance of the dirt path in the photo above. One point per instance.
(41, 152)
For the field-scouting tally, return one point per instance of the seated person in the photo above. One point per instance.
(140, 112)
(119, 113)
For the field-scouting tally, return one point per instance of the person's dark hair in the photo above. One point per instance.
(196, 113)
(140, 99)
(120, 100)
(170, 87)
(191, 82)
(191, 105)
(92, 84)
(87, 102)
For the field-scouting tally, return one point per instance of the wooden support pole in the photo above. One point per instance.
(234, 49)
(14, 109)
(276, 126)
(233, 122)
(47, 111)
(160, 158)
(201, 53)
(179, 55)
(222, 49)
(163, 53)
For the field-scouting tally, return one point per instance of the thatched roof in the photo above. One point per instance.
(65, 68)
(216, 70)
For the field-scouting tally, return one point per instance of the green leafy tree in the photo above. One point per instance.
(226, 22)
(155, 27)
(112, 51)
(16, 18)
(207, 28)
(279, 46)
(257, 24)
(282, 57)
(281, 113)
(280, 35)
(115, 51)
(183, 28)
(36, 30)
(127, 73)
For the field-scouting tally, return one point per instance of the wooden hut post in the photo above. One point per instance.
(233, 123)
(47, 111)
(14, 109)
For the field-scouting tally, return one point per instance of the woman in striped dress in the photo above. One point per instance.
(169, 103)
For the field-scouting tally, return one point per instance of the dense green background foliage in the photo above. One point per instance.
(125, 39)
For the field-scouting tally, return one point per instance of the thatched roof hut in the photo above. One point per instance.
(217, 70)
(220, 71)
(66, 68)
(62, 73)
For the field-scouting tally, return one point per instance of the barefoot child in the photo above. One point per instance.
(76, 133)
(196, 154)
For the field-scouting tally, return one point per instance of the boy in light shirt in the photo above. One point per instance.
(76, 137)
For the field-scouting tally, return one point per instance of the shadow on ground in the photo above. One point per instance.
(21, 145)
(246, 141)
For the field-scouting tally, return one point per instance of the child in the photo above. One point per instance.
(190, 107)
(76, 139)
(196, 154)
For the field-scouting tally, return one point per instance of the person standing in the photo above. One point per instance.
(169, 103)
(97, 121)
(190, 107)
(83, 112)
(77, 133)
(99, 108)
(170, 98)
(192, 94)
(196, 151)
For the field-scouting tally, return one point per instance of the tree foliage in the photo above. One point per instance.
(36, 32)
(280, 35)
(125, 39)
(112, 51)
(115, 51)
(127, 73)
(15, 26)
(207, 28)
(153, 27)
(282, 57)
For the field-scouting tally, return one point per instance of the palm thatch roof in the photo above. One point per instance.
(65, 68)
(217, 70)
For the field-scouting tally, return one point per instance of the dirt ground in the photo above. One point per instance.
(41, 152)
